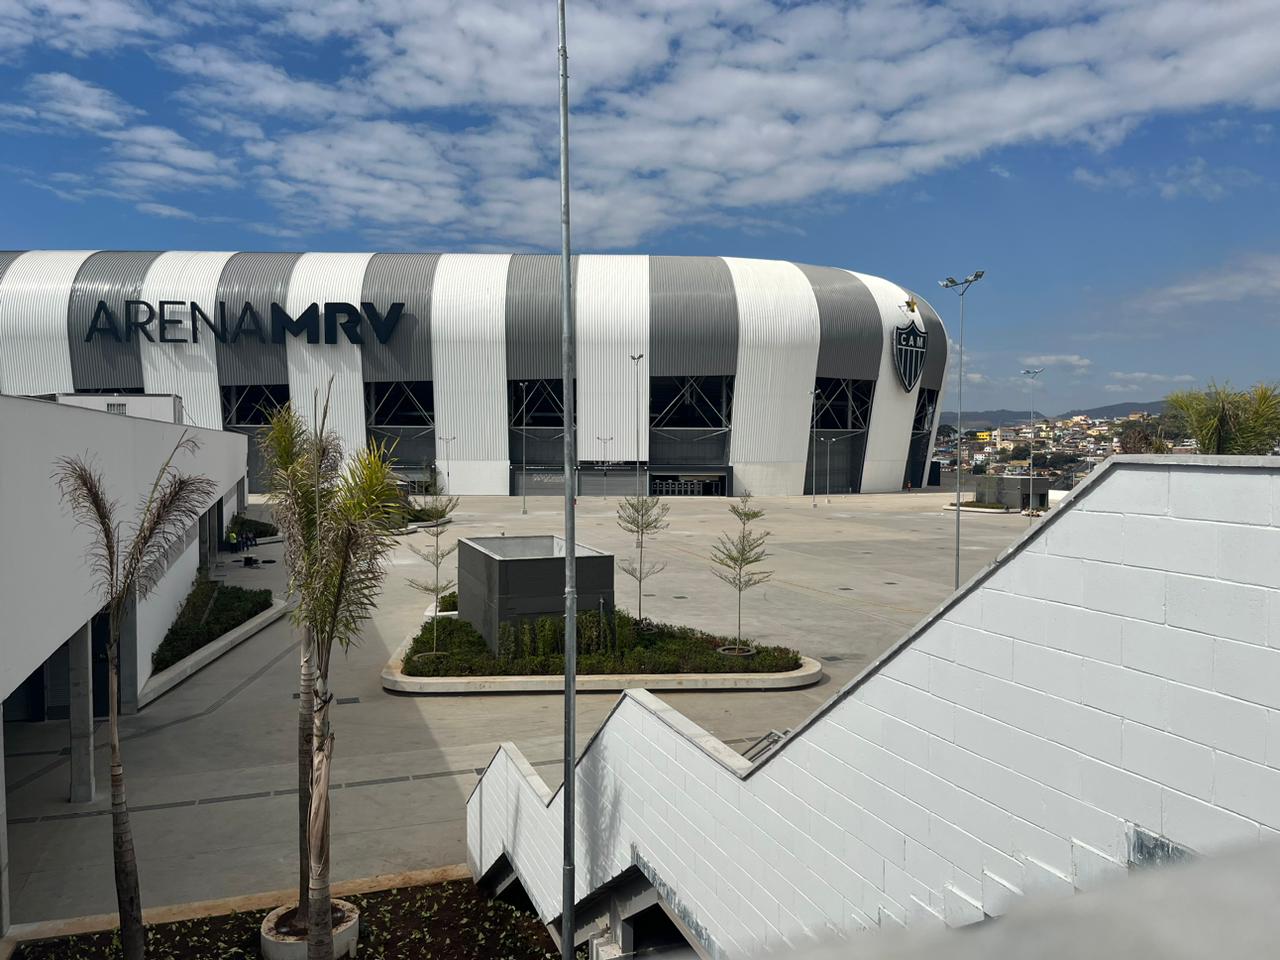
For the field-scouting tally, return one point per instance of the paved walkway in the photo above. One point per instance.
(210, 766)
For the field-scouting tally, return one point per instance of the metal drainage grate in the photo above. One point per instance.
(844, 588)
(832, 659)
(679, 596)
(891, 583)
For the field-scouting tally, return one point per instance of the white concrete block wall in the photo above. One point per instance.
(157, 612)
(1085, 685)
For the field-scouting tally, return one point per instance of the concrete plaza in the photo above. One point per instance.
(211, 770)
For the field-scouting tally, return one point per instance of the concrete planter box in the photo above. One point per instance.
(509, 579)
(164, 681)
(394, 678)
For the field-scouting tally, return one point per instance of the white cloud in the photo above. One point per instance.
(166, 211)
(999, 171)
(1137, 379)
(682, 113)
(1121, 387)
(1191, 178)
(1254, 278)
(1072, 360)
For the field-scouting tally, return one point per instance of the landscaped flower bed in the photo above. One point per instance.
(536, 648)
(210, 610)
(446, 921)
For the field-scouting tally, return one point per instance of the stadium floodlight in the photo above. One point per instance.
(963, 285)
(1031, 375)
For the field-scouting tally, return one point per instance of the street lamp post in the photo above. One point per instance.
(813, 432)
(961, 287)
(524, 444)
(448, 484)
(635, 363)
(1031, 446)
(828, 441)
(605, 441)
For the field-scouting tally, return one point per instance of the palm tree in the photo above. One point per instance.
(1226, 421)
(336, 519)
(125, 562)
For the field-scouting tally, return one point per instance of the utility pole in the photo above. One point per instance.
(961, 287)
(568, 928)
(524, 445)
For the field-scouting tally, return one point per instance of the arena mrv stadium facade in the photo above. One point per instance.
(749, 370)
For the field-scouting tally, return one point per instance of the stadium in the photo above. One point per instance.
(702, 375)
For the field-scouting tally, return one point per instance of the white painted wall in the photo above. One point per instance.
(892, 409)
(612, 317)
(166, 407)
(45, 591)
(156, 612)
(778, 335)
(469, 369)
(1119, 667)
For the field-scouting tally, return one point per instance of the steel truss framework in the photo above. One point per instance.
(838, 434)
(921, 432)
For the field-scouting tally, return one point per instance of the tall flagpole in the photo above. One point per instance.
(567, 927)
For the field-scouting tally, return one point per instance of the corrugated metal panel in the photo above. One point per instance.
(852, 334)
(406, 278)
(187, 369)
(34, 356)
(533, 321)
(612, 294)
(778, 335)
(7, 257)
(892, 408)
(469, 366)
(693, 317)
(260, 279)
(111, 277)
(935, 358)
(322, 278)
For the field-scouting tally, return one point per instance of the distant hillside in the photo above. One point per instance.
(987, 419)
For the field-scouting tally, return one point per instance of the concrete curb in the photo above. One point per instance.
(73, 926)
(393, 678)
(950, 508)
(164, 681)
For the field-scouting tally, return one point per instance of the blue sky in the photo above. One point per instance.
(1111, 164)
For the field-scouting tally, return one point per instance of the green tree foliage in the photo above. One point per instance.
(1141, 436)
(1232, 422)
(440, 507)
(643, 517)
(335, 513)
(739, 554)
(125, 560)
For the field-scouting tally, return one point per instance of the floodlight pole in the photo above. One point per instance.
(635, 363)
(568, 928)
(828, 441)
(963, 285)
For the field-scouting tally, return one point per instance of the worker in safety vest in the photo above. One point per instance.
(234, 541)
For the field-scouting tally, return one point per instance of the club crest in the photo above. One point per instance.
(909, 346)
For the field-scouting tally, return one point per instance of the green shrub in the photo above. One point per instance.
(536, 648)
(210, 610)
(448, 602)
(240, 525)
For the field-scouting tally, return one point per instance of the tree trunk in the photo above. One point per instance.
(319, 915)
(306, 717)
(640, 582)
(738, 647)
(133, 935)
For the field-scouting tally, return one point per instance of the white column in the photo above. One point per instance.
(80, 648)
(4, 844)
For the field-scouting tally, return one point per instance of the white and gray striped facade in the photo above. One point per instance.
(749, 370)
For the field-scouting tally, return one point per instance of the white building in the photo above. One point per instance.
(715, 375)
(1105, 695)
(51, 631)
